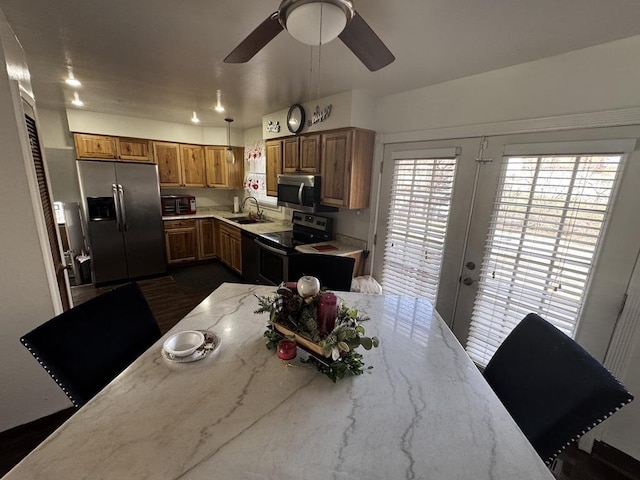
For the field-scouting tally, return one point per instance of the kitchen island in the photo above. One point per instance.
(422, 411)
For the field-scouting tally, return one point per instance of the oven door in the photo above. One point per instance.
(273, 264)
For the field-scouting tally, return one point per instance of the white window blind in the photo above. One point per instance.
(417, 225)
(547, 221)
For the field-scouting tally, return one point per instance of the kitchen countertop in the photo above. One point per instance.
(279, 225)
(423, 411)
(329, 248)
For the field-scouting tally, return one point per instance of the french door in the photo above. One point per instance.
(481, 166)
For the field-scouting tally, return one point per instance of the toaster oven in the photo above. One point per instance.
(178, 205)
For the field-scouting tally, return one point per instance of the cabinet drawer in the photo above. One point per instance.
(186, 223)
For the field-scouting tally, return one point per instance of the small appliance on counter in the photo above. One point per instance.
(178, 205)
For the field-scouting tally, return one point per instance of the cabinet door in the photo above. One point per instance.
(192, 159)
(95, 146)
(236, 252)
(224, 247)
(290, 157)
(180, 245)
(216, 166)
(274, 165)
(207, 239)
(134, 149)
(167, 156)
(235, 172)
(310, 153)
(336, 168)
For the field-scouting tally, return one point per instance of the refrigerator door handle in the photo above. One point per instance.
(123, 210)
(116, 203)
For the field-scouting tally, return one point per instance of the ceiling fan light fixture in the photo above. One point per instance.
(315, 21)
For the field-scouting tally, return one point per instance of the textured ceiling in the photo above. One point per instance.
(163, 59)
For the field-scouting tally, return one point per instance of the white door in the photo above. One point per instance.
(477, 180)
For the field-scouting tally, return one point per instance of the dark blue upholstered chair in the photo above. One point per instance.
(86, 347)
(551, 386)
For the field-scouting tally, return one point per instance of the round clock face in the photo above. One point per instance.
(295, 118)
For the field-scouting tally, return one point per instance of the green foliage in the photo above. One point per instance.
(300, 315)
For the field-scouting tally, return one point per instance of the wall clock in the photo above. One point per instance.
(295, 118)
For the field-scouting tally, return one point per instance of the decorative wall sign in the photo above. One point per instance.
(320, 116)
(295, 118)
(273, 126)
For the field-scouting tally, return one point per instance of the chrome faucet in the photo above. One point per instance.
(259, 213)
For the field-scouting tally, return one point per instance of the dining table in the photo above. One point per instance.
(420, 410)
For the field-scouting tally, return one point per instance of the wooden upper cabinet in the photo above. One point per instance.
(167, 156)
(310, 151)
(290, 155)
(134, 149)
(220, 173)
(95, 146)
(301, 154)
(192, 160)
(347, 158)
(273, 150)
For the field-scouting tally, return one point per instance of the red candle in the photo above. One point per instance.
(327, 313)
(286, 349)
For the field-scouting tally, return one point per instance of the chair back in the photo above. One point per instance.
(86, 347)
(333, 271)
(553, 388)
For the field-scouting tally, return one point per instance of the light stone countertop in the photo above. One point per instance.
(279, 225)
(423, 412)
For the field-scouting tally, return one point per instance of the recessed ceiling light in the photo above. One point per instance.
(195, 118)
(76, 100)
(73, 81)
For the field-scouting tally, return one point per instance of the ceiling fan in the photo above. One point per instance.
(314, 22)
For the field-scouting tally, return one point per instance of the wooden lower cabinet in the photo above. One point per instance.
(230, 246)
(207, 239)
(180, 239)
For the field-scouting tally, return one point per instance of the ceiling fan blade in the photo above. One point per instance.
(256, 40)
(365, 44)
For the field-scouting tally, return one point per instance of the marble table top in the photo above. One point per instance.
(422, 412)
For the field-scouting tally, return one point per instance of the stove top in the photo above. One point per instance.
(306, 229)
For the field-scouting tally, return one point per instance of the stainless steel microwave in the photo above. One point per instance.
(302, 193)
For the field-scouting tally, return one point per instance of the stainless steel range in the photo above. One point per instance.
(275, 249)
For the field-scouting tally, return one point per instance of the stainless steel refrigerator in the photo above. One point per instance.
(122, 213)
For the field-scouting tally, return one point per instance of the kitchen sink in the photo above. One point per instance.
(248, 220)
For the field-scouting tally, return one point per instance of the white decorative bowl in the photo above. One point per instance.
(184, 343)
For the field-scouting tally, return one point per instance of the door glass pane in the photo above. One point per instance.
(421, 194)
(548, 217)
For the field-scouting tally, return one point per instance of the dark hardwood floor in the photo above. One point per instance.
(173, 296)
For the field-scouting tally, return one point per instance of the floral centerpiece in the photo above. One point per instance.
(329, 330)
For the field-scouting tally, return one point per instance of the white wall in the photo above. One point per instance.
(117, 125)
(604, 77)
(25, 297)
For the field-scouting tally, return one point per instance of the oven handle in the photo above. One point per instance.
(300, 193)
(269, 248)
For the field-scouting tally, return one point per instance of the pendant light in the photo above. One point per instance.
(231, 157)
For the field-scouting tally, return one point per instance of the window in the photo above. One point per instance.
(421, 192)
(548, 218)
